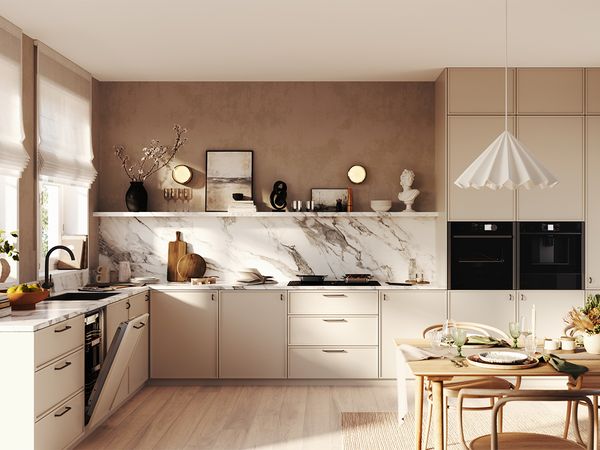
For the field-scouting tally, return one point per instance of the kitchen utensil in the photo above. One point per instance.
(499, 357)
(551, 344)
(381, 205)
(237, 196)
(22, 301)
(124, 271)
(102, 274)
(357, 278)
(476, 361)
(145, 280)
(203, 280)
(191, 266)
(177, 249)
(311, 278)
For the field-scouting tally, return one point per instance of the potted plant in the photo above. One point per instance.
(586, 320)
(9, 249)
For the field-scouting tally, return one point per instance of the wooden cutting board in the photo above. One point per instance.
(191, 266)
(177, 250)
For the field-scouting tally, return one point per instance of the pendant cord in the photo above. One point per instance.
(505, 65)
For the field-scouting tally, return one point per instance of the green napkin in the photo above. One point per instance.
(485, 340)
(560, 365)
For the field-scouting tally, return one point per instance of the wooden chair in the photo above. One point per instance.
(452, 388)
(515, 440)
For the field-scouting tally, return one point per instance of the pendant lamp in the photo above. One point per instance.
(506, 163)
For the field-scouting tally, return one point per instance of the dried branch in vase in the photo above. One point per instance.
(154, 157)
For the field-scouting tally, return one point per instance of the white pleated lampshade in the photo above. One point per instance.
(506, 163)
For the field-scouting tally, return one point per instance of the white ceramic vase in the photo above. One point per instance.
(592, 343)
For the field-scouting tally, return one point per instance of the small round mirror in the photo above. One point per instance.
(182, 174)
(357, 174)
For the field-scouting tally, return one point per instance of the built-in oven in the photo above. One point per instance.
(481, 255)
(94, 348)
(551, 255)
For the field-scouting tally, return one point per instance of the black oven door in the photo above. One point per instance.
(550, 255)
(481, 255)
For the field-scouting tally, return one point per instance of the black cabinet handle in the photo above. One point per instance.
(66, 364)
(139, 325)
(64, 411)
(67, 327)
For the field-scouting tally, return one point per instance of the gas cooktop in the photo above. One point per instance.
(333, 283)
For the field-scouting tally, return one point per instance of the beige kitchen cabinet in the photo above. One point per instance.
(551, 308)
(140, 361)
(553, 91)
(183, 341)
(495, 308)
(405, 314)
(593, 91)
(252, 334)
(467, 138)
(558, 143)
(479, 91)
(592, 225)
(116, 313)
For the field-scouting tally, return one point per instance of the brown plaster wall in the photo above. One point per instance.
(307, 134)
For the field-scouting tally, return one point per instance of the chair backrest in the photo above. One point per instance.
(505, 396)
(472, 328)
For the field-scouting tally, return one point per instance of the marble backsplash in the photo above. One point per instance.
(277, 246)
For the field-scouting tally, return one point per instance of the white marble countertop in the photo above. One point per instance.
(401, 214)
(51, 312)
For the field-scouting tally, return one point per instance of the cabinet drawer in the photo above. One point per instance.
(58, 381)
(138, 305)
(333, 362)
(333, 302)
(61, 426)
(56, 340)
(333, 331)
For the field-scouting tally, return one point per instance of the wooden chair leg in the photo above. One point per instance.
(500, 419)
(575, 420)
(428, 423)
(595, 402)
(567, 420)
(446, 408)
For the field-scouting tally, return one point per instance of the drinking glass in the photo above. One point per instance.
(167, 196)
(436, 338)
(530, 345)
(447, 331)
(186, 199)
(514, 328)
(459, 335)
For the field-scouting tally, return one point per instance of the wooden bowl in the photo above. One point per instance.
(20, 301)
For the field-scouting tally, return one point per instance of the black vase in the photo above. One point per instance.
(136, 197)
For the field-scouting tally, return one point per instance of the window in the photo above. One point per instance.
(64, 147)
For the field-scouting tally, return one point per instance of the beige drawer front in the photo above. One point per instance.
(333, 362)
(61, 426)
(333, 302)
(58, 381)
(138, 305)
(333, 331)
(58, 339)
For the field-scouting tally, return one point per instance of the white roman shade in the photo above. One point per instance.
(64, 120)
(13, 156)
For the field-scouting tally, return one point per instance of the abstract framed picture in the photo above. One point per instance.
(326, 199)
(227, 172)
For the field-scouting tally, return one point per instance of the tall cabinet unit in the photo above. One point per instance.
(592, 237)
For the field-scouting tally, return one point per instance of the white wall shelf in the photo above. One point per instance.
(201, 214)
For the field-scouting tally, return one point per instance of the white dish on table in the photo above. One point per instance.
(503, 357)
(475, 360)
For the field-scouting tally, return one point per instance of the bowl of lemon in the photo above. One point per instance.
(26, 296)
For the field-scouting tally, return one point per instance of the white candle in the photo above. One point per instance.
(533, 320)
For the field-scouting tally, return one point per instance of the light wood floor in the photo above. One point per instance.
(237, 417)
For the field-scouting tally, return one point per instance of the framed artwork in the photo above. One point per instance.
(330, 199)
(227, 172)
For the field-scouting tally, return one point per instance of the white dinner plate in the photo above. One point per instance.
(474, 360)
(503, 357)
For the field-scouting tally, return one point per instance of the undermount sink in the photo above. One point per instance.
(82, 296)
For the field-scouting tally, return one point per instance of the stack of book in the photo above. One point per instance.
(242, 206)
(253, 276)
(4, 307)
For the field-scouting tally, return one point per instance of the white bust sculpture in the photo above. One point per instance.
(408, 195)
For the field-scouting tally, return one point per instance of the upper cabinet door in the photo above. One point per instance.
(550, 91)
(592, 237)
(479, 91)
(593, 91)
(467, 138)
(557, 142)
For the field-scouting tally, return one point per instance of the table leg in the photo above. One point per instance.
(419, 411)
(437, 389)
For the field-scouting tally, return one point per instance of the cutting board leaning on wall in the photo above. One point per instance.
(177, 249)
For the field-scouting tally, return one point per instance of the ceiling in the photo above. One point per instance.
(307, 40)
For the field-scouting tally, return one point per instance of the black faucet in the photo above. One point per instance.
(48, 284)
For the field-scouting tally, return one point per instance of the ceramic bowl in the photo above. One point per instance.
(20, 301)
(381, 205)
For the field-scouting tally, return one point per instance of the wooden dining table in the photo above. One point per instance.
(437, 371)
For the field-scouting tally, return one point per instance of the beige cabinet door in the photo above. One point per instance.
(593, 91)
(557, 142)
(495, 308)
(252, 334)
(116, 313)
(592, 224)
(551, 307)
(479, 91)
(467, 138)
(183, 342)
(405, 314)
(550, 91)
(138, 367)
